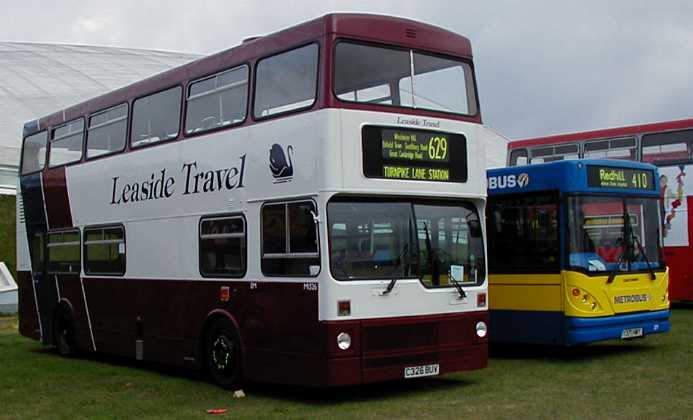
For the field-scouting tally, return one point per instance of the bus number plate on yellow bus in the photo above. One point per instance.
(631, 333)
(419, 371)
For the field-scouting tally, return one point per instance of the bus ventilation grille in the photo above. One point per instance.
(410, 33)
(20, 208)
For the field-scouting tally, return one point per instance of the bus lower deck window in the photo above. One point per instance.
(223, 246)
(289, 240)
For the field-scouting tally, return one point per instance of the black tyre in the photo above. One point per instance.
(64, 332)
(223, 354)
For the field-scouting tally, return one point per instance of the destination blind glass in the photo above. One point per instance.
(415, 155)
(622, 178)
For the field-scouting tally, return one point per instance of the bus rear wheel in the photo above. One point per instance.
(64, 332)
(223, 354)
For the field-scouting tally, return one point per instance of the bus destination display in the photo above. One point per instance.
(623, 178)
(416, 155)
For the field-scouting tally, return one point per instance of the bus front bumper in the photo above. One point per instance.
(586, 330)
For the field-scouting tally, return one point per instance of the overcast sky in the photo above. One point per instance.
(542, 66)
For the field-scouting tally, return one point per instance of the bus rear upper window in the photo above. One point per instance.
(437, 83)
(156, 117)
(611, 149)
(217, 101)
(106, 132)
(104, 250)
(286, 81)
(667, 147)
(66, 146)
(34, 153)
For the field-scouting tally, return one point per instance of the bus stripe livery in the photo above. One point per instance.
(303, 208)
(589, 266)
(669, 146)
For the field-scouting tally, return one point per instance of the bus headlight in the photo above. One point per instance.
(343, 341)
(481, 329)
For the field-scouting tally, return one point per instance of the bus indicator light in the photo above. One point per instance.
(343, 308)
(481, 300)
(224, 294)
(576, 292)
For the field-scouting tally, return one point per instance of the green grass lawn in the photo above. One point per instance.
(647, 378)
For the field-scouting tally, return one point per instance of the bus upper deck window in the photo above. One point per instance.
(518, 157)
(286, 82)
(106, 132)
(400, 77)
(667, 147)
(217, 101)
(66, 146)
(34, 152)
(156, 117)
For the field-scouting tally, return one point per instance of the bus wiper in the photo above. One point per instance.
(458, 286)
(644, 255)
(391, 285)
(612, 274)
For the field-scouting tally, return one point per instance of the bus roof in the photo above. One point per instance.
(365, 27)
(576, 176)
(603, 133)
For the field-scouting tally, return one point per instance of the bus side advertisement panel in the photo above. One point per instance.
(674, 187)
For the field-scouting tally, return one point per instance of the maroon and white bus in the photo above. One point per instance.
(304, 208)
(669, 145)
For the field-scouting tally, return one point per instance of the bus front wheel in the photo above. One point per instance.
(223, 354)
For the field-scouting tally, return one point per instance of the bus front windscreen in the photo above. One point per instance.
(608, 234)
(439, 243)
(403, 78)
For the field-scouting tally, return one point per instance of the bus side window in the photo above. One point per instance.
(611, 149)
(667, 147)
(290, 240)
(223, 246)
(518, 157)
(34, 152)
(523, 234)
(107, 131)
(286, 82)
(63, 252)
(156, 117)
(66, 146)
(104, 250)
(217, 101)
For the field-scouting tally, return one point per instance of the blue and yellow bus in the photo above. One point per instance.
(575, 253)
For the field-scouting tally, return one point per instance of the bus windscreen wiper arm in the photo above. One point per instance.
(644, 255)
(391, 285)
(458, 286)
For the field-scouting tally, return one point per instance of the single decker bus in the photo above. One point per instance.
(669, 146)
(574, 253)
(304, 208)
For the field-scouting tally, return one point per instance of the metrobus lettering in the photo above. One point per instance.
(631, 298)
(163, 186)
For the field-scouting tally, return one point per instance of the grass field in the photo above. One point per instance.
(648, 378)
(8, 232)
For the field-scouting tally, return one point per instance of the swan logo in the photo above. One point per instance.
(281, 164)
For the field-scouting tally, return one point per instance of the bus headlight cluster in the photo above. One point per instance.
(481, 329)
(585, 299)
(343, 341)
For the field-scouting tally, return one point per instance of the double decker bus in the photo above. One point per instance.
(574, 253)
(669, 146)
(303, 208)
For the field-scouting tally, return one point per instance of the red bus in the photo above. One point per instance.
(668, 145)
(299, 209)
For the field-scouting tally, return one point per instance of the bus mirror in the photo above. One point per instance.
(474, 228)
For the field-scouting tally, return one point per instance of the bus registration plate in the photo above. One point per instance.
(419, 371)
(631, 333)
